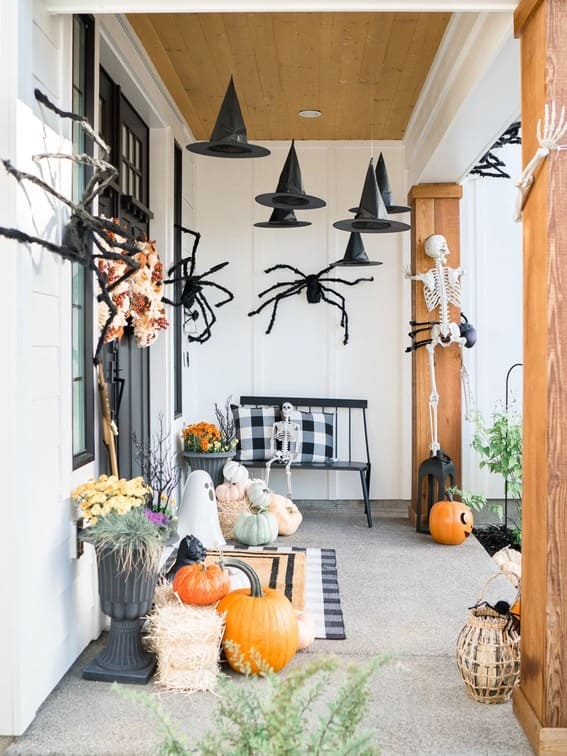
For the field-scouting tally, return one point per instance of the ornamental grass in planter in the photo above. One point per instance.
(128, 538)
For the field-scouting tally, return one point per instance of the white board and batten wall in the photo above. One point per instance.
(304, 354)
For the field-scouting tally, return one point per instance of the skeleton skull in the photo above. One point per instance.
(286, 409)
(435, 246)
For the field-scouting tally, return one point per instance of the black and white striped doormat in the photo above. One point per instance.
(322, 598)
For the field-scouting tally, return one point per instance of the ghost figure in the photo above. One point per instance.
(198, 513)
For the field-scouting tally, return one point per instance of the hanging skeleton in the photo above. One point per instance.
(441, 288)
(284, 444)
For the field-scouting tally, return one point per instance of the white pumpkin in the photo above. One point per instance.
(229, 492)
(259, 496)
(306, 627)
(286, 513)
(234, 472)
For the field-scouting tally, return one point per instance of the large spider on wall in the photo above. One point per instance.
(192, 297)
(85, 233)
(315, 290)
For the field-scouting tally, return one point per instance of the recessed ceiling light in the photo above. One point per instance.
(310, 113)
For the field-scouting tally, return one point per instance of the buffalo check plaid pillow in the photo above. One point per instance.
(253, 427)
(316, 430)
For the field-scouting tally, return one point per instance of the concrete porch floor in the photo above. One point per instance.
(400, 592)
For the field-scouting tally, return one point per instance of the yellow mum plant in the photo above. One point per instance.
(98, 498)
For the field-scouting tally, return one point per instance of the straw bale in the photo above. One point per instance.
(229, 512)
(186, 640)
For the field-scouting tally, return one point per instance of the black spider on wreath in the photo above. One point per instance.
(84, 232)
(192, 297)
(315, 289)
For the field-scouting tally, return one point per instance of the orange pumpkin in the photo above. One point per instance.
(450, 522)
(286, 513)
(260, 624)
(200, 584)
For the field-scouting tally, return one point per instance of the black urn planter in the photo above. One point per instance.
(125, 596)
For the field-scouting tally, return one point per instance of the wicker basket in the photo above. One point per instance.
(229, 512)
(488, 653)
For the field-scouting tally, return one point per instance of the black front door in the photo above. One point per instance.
(127, 367)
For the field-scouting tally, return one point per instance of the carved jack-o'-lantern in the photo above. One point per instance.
(450, 522)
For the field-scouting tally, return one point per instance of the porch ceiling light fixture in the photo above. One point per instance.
(282, 219)
(290, 193)
(310, 113)
(371, 212)
(355, 254)
(229, 138)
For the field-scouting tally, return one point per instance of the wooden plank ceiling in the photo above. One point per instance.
(363, 71)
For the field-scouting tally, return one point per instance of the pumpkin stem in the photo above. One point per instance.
(255, 585)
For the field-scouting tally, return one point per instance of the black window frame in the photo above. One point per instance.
(86, 87)
(177, 287)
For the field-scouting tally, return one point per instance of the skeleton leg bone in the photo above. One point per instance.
(433, 399)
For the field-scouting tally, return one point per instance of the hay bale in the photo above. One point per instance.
(186, 640)
(229, 512)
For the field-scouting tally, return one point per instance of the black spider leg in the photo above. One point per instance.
(282, 284)
(214, 269)
(209, 319)
(341, 304)
(103, 174)
(418, 344)
(81, 120)
(282, 266)
(296, 288)
(193, 256)
(181, 266)
(23, 238)
(343, 281)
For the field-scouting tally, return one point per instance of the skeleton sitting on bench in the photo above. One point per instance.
(284, 444)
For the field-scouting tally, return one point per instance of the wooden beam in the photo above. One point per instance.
(435, 210)
(523, 14)
(543, 685)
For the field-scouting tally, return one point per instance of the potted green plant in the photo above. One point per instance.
(128, 538)
(499, 445)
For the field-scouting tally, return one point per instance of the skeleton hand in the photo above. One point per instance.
(407, 271)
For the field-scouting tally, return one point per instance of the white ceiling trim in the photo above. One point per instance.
(471, 95)
(274, 6)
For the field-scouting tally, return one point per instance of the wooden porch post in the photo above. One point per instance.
(541, 700)
(435, 210)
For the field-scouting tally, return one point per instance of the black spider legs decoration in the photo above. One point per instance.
(83, 229)
(192, 294)
(316, 290)
(424, 325)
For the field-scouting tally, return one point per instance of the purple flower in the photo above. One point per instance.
(158, 518)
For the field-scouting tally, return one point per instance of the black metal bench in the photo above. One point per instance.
(342, 440)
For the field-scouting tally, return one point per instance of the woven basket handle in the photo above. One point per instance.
(498, 574)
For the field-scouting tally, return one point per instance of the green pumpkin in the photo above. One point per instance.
(256, 528)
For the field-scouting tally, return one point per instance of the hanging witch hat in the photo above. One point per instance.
(229, 134)
(289, 191)
(384, 186)
(371, 213)
(282, 219)
(355, 253)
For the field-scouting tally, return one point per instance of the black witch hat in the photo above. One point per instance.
(229, 134)
(355, 254)
(384, 186)
(282, 219)
(371, 213)
(289, 191)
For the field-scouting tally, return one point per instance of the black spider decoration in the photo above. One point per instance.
(315, 289)
(192, 298)
(84, 232)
